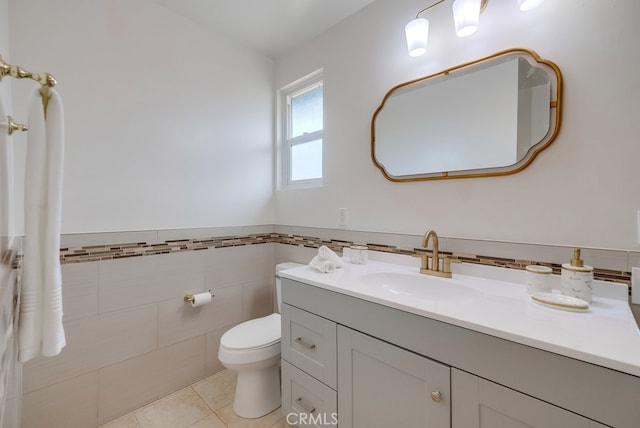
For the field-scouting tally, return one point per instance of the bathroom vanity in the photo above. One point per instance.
(366, 348)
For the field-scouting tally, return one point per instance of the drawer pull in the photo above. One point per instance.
(436, 396)
(305, 344)
(305, 408)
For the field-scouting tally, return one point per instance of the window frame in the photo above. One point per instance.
(298, 87)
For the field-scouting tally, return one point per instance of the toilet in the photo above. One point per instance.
(252, 349)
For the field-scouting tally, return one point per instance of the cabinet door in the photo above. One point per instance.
(478, 403)
(381, 385)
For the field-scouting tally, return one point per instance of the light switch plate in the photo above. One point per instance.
(344, 216)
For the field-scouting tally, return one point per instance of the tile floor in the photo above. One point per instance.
(205, 404)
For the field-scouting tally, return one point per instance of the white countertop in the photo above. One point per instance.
(606, 335)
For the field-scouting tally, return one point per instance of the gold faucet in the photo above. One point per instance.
(435, 259)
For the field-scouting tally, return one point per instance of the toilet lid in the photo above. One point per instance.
(256, 333)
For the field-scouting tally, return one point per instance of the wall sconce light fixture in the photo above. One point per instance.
(466, 14)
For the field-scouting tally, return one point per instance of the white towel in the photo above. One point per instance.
(324, 266)
(326, 261)
(328, 254)
(40, 320)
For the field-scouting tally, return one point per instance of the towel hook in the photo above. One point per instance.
(13, 126)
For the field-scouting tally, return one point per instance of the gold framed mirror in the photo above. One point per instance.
(488, 117)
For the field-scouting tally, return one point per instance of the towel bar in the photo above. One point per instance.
(46, 80)
(6, 69)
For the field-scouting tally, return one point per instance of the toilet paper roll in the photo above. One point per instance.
(201, 299)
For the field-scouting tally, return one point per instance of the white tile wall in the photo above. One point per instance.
(601, 258)
(292, 253)
(212, 345)
(87, 239)
(130, 336)
(208, 232)
(228, 266)
(167, 369)
(322, 233)
(149, 236)
(80, 290)
(71, 403)
(96, 342)
(257, 299)
(178, 321)
(135, 281)
(634, 260)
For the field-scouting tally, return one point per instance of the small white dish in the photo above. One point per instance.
(558, 301)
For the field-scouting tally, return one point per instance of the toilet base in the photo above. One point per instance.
(257, 392)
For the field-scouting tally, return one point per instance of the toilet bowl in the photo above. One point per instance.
(252, 349)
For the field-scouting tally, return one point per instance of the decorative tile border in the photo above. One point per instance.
(137, 249)
(93, 253)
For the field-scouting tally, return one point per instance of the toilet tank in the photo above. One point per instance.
(280, 267)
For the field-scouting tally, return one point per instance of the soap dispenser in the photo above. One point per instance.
(577, 278)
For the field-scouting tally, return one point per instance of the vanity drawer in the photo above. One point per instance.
(305, 400)
(309, 343)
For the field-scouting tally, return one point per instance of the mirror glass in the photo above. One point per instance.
(484, 118)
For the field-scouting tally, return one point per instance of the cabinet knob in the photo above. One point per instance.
(436, 396)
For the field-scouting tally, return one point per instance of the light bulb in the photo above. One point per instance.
(417, 32)
(466, 14)
(529, 4)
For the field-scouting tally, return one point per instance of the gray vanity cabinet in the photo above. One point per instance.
(382, 385)
(377, 367)
(478, 403)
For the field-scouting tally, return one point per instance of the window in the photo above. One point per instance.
(302, 132)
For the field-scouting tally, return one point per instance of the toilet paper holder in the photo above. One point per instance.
(189, 297)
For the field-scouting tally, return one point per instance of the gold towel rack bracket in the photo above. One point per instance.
(189, 297)
(13, 126)
(45, 79)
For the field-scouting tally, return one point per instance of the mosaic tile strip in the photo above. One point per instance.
(138, 249)
(135, 249)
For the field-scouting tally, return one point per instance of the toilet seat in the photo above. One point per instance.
(253, 334)
(251, 342)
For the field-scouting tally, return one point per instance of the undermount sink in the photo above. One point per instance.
(418, 286)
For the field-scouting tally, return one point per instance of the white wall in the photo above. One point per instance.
(167, 124)
(581, 191)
